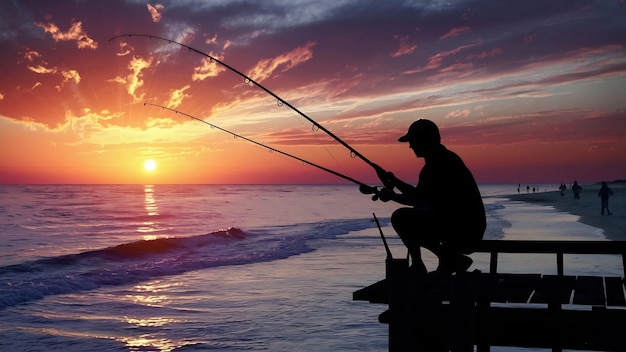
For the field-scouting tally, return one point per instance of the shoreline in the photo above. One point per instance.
(587, 208)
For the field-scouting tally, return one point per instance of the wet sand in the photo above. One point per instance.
(587, 208)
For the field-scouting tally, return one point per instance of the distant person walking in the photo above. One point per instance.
(576, 189)
(604, 194)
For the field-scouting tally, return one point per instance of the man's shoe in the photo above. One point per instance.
(418, 269)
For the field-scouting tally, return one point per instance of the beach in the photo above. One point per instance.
(587, 208)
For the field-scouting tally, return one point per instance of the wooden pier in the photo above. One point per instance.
(476, 310)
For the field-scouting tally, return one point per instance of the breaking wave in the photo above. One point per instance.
(137, 261)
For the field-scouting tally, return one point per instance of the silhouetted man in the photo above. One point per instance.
(447, 215)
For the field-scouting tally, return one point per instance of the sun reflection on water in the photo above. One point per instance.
(150, 201)
(147, 342)
(153, 322)
(151, 294)
(152, 209)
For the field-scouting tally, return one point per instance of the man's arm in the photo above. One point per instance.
(390, 181)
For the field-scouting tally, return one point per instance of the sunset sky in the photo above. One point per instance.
(524, 91)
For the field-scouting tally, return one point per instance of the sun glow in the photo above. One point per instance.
(149, 165)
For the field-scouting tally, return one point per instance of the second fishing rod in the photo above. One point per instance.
(363, 187)
(247, 79)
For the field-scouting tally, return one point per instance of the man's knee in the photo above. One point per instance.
(402, 216)
(407, 221)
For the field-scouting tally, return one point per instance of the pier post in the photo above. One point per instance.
(397, 272)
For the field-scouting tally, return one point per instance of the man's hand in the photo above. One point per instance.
(386, 194)
(386, 177)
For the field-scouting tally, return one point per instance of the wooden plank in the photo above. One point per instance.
(374, 293)
(554, 287)
(589, 290)
(614, 291)
(515, 288)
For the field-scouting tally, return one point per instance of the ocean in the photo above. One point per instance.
(219, 267)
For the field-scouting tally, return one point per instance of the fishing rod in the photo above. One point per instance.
(366, 189)
(380, 230)
(249, 80)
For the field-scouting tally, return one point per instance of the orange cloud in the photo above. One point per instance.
(125, 49)
(207, 69)
(30, 55)
(265, 68)
(177, 96)
(41, 69)
(154, 12)
(75, 32)
(69, 76)
(133, 80)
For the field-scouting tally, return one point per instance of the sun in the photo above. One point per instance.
(149, 165)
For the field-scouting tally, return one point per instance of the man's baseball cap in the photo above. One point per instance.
(422, 130)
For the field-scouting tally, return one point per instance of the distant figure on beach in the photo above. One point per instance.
(604, 194)
(562, 188)
(576, 189)
(446, 213)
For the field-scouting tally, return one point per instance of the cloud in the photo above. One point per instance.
(457, 114)
(31, 55)
(486, 54)
(125, 49)
(154, 12)
(69, 76)
(436, 60)
(208, 68)
(212, 40)
(177, 96)
(87, 124)
(265, 68)
(133, 80)
(91, 127)
(178, 32)
(41, 69)
(455, 32)
(405, 48)
(76, 32)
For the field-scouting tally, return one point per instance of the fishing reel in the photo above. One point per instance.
(365, 189)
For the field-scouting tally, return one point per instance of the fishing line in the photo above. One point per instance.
(364, 188)
(248, 80)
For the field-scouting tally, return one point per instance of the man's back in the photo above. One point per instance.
(447, 187)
